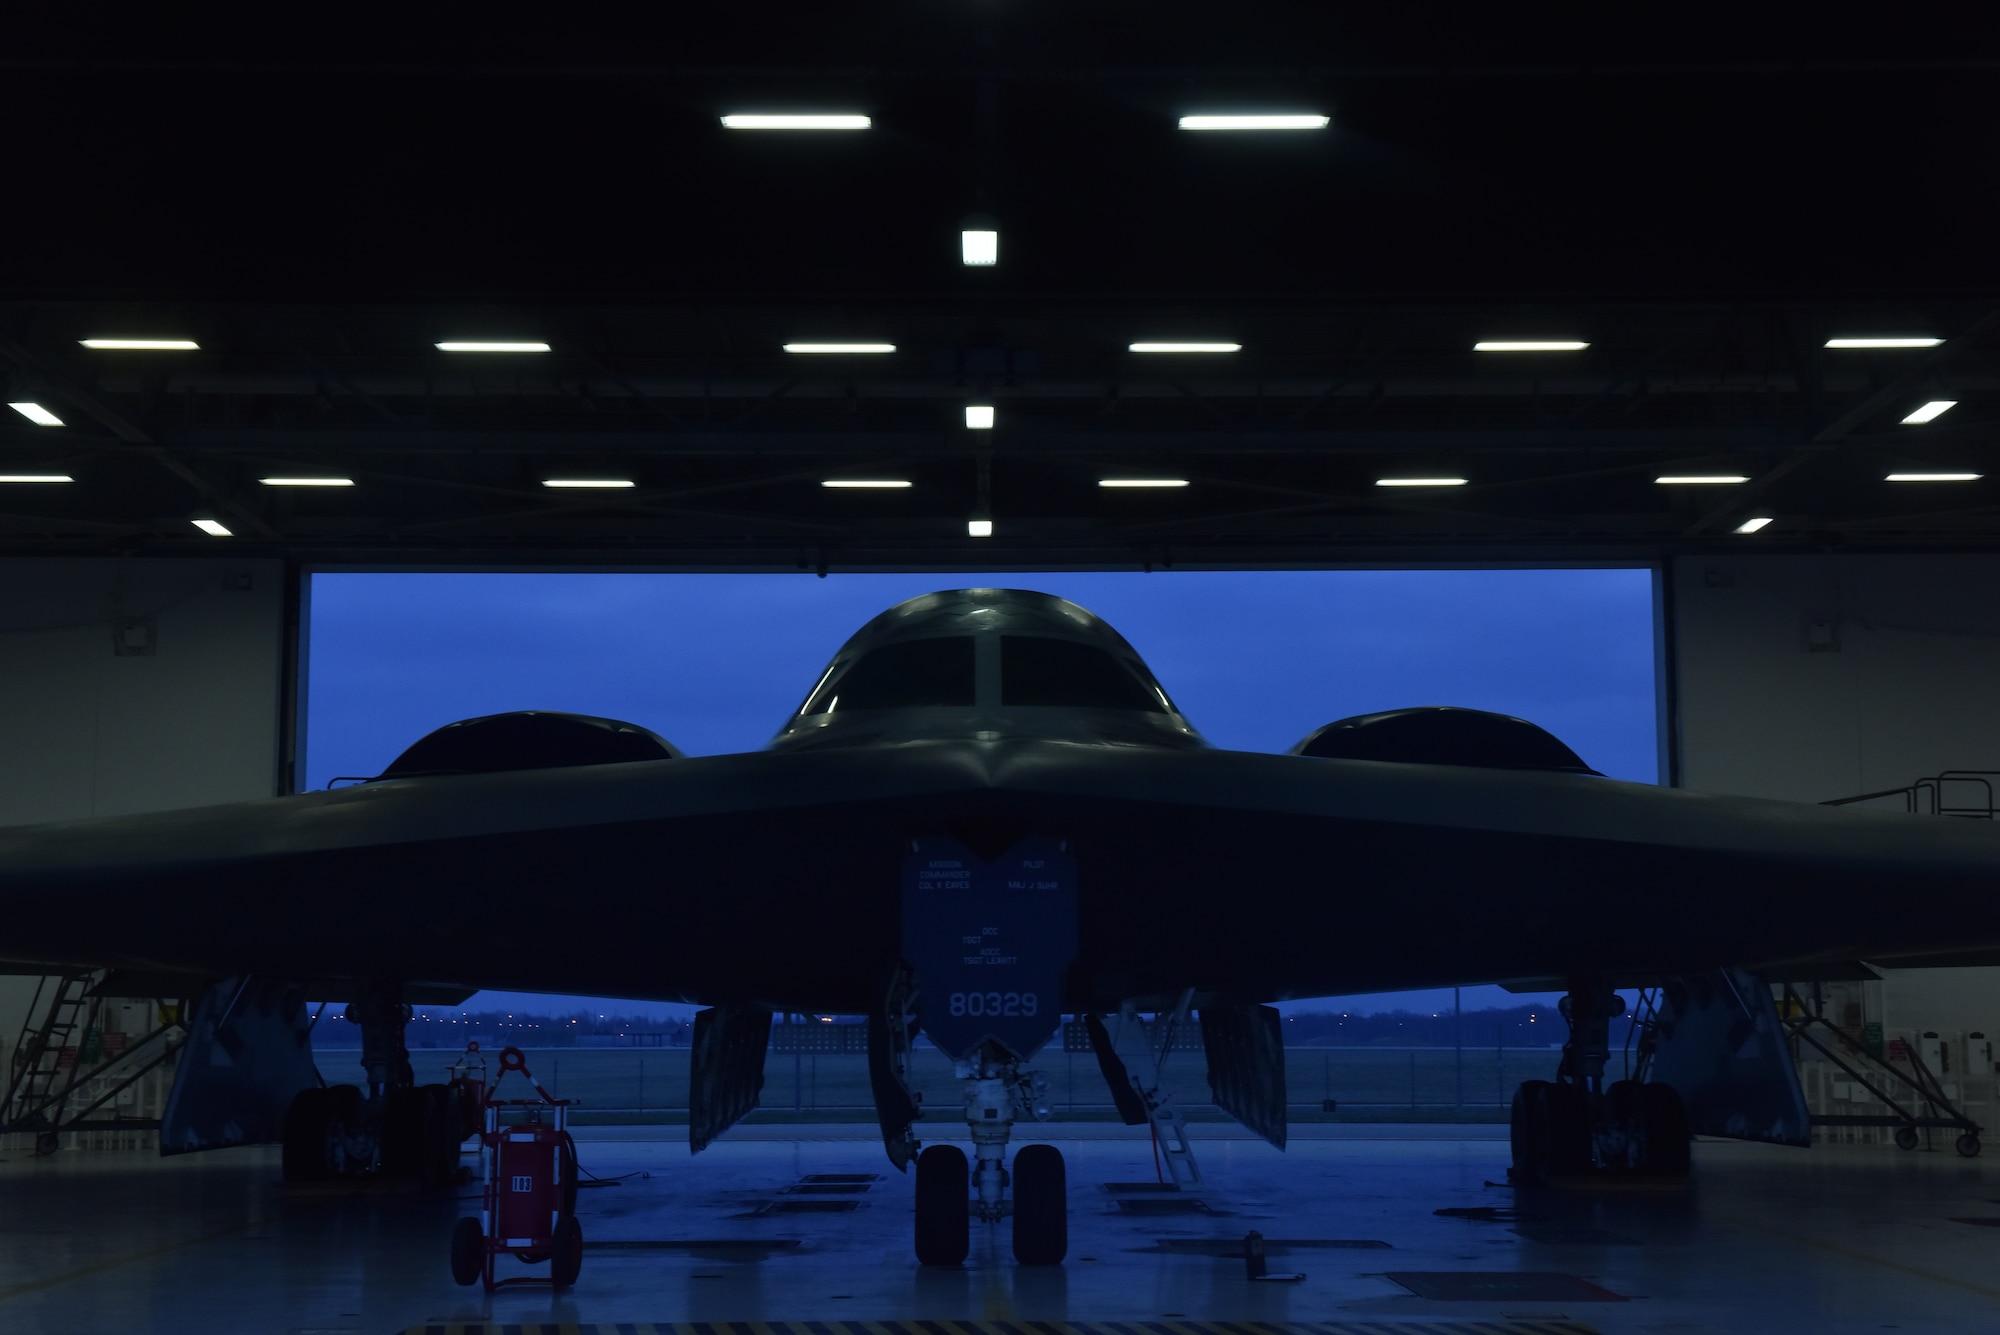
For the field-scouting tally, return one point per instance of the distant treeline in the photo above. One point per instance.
(1526, 1026)
(438, 1027)
(1529, 1025)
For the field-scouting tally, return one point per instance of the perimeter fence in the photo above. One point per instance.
(627, 1086)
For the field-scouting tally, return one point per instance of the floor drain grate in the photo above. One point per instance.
(1506, 1286)
(1170, 1205)
(693, 1245)
(1555, 1235)
(841, 1177)
(1232, 1248)
(810, 1207)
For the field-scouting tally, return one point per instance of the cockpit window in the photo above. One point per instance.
(912, 674)
(1035, 670)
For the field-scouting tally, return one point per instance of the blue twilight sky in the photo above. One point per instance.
(716, 663)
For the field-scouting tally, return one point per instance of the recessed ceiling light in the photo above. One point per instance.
(840, 347)
(1529, 345)
(1281, 121)
(789, 121)
(867, 483)
(212, 528)
(1187, 347)
(1700, 479)
(1753, 525)
(307, 481)
(492, 347)
(979, 416)
(1142, 482)
(141, 344)
(978, 528)
(979, 248)
(36, 477)
(1933, 477)
(1883, 342)
(587, 483)
(1419, 481)
(36, 413)
(1930, 412)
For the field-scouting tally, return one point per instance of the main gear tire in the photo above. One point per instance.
(1668, 1138)
(403, 1132)
(304, 1155)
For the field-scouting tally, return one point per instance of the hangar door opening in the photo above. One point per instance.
(716, 663)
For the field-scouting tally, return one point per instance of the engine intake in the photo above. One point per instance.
(1443, 735)
(528, 739)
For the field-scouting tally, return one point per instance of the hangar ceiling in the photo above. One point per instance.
(317, 213)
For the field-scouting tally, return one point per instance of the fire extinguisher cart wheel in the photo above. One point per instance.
(528, 1170)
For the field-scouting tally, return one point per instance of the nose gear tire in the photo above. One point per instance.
(944, 1218)
(1041, 1206)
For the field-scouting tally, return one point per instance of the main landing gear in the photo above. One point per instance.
(950, 1191)
(392, 1129)
(1576, 1125)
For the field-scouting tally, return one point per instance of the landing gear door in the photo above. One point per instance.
(990, 941)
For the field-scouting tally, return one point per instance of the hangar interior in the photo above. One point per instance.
(1759, 705)
(1037, 290)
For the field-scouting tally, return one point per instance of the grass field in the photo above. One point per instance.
(640, 1085)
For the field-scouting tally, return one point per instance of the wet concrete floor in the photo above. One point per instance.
(1833, 1240)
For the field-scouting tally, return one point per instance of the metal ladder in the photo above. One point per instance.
(39, 1084)
(1169, 1127)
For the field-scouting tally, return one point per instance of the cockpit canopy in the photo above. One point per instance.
(1002, 662)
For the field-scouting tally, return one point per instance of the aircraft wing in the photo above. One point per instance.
(773, 877)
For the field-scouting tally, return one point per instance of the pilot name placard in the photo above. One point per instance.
(990, 941)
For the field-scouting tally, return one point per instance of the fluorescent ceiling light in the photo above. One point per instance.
(36, 413)
(1187, 347)
(1930, 412)
(979, 248)
(979, 416)
(840, 347)
(1142, 482)
(1530, 345)
(492, 347)
(1933, 477)
(1284, 121)
(1700, 479)
(141, 344)
(589, 482)
(212, 528)
(867, 483)
(1753, 525)
(978, 528)
(789, 121)
(35, 477)
(1419, 481)
(307, 481)
(1883, 342)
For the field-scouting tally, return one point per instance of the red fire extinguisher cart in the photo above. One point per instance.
(528, 1162)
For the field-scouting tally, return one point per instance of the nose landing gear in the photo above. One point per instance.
(997, 1090)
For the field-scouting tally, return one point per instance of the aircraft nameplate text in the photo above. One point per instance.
(990, 941)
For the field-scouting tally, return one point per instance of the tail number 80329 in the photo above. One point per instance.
(994, 1003)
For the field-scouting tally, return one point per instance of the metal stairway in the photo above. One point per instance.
(40, 1082)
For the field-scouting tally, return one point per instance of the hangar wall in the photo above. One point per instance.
(1806, 678)
(187, 714)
